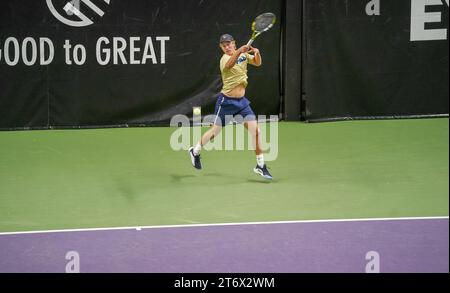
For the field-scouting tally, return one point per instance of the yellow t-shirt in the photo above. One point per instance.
(236, 75)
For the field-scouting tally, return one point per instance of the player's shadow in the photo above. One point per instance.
(217, 175)
(178, 178)
(239, 178)
(125, 189)
(260, 181)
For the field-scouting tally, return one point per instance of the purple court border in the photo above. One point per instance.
(420, 245)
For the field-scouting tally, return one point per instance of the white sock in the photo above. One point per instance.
(260, 160)
(197, 149)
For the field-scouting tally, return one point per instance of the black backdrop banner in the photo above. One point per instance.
(95, 63)
(368, 59)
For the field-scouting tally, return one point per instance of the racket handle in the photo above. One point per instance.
(250, 42)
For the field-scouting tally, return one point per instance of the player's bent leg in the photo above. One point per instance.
(194, 152)
(210, 134)
(261, 167)
(255, 132)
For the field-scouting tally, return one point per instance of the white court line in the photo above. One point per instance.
(139, 228)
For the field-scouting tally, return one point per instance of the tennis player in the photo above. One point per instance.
(232, 100)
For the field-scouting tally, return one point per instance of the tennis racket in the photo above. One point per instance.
(262, 23)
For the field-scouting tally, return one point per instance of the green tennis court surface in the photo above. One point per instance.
(131, 177)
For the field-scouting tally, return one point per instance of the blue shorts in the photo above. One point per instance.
(227, 108)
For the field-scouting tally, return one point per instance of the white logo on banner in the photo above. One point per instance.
(420, 17)
(75, 9)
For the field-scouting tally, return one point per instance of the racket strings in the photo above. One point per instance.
(261, 24)
(264, 22)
